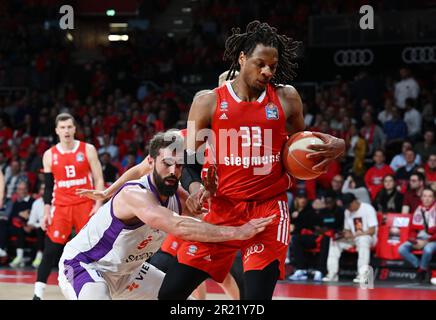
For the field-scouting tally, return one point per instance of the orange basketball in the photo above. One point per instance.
(294, 155)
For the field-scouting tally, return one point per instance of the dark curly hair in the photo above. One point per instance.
(262, 33)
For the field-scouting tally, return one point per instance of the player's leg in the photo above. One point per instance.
(51, 254)
(265, 254)
(230, 287)
(95, 291)
(162, 260)
(180, 282)
(78, 282)
(260, 284)
(57, 235)
(39, 246)
(200, 292)
(237, 272)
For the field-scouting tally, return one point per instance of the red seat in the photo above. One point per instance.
(391, 235)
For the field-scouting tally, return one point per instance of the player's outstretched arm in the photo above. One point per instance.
(134, 201)
(133, 173)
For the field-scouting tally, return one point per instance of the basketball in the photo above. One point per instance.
(294, 155)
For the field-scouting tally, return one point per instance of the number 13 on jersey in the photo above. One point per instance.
(71, 171)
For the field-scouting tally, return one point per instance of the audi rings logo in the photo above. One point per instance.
(255, 248)
(419, 55)
(358, 57)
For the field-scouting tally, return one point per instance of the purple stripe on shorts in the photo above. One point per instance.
(79, 275)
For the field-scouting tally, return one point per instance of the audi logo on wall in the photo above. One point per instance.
(419, 55)
(356, 57)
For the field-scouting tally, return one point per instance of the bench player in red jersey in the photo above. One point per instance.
(69, 165)
(252, 116)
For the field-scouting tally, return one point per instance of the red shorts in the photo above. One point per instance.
(258, 252)
(171, 245)
(63, 218)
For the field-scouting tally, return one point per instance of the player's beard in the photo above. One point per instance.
(162, 188)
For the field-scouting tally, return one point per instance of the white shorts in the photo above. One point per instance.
(143, 284)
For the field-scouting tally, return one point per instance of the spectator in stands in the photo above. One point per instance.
(407, 87)
(426, 147)
(372, 133)
(430, 171)
(386, 114)
(18, 219)
(109, 148)
(34, 223)
(403, 174)
(412, 197)
(33, 160)
(110, 172)
(400, 159)
(388, 199)
(360, 231)
(355, 185)
(304, 222)
(331, 223)
(356, 150)
(336, 188)
(12, 178)
(395, 128)
(413, 119)
(3, 163)
(374, 176)
(422, 235)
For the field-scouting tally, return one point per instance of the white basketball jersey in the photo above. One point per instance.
(106, 244)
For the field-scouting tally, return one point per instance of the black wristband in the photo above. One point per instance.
(191, 171)
(48, 190)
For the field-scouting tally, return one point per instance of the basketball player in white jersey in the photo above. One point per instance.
(106, 259)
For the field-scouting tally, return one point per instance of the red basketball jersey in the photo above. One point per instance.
(71, 171)
(249, 140)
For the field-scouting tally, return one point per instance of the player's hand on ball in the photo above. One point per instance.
(330, 150)
(92, 194)
(253, 227)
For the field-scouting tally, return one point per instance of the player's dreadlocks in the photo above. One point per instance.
(262, 33)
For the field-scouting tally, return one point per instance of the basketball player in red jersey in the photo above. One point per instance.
(69, 165)
(252, 116)
(163, 258)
